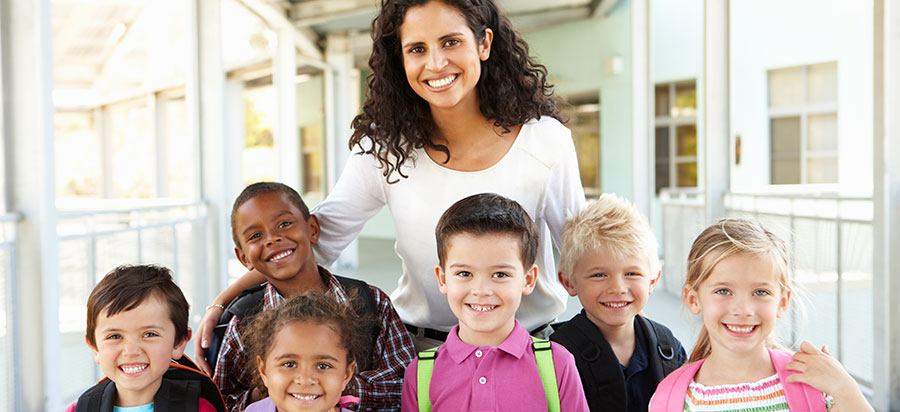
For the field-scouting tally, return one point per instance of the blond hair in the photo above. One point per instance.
(610, 223)
(725, 238)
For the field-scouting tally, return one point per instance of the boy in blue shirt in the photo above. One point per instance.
(609, 260)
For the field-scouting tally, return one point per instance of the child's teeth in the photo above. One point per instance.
(305, 397)
(282, 255)
(441, 82)
(482, 308)
(740, 329)
(616, 304)
(133, 369)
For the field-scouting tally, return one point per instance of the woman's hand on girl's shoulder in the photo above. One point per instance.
(819, 369)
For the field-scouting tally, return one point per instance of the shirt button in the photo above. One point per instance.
(482, 380)
(478, 353)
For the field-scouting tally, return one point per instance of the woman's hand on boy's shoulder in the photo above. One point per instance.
(819, 369)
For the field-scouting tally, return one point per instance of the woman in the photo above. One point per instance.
(456, 106)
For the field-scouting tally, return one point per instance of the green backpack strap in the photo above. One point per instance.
(544, 358)
(423, 378)
(542, 355)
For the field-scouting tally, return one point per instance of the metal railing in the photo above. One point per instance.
(92, 242)
(830, 242)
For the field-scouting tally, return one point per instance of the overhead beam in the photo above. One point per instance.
(602, 8)
(277, 19)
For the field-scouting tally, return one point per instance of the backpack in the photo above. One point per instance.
(670, 393)
(182, 387)
(250, 302)
(598, 367)
(543, 356)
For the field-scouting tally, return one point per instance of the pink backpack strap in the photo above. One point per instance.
(800, 396)
(670, 393)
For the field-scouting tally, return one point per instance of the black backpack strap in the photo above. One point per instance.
(246, 304)
(597, 363)
(368, 312)
(662, 346)
(175, 395)
(99, 398)
(184, 370)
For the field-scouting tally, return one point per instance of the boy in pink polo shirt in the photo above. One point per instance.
(486, 249)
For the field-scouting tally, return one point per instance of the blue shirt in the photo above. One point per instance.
(143, 408)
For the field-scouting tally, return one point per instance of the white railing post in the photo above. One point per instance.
(716, 136)
(886, 202)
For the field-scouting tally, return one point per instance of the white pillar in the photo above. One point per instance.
(344, 92)
(287, 142)
(28, 126)
(886, 199)
(641, 115)
(206, 101)
(717, 136)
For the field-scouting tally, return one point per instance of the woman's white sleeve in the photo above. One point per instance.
(357, 196)
(565, 195)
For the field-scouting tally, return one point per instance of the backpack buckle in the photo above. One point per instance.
(667, 356)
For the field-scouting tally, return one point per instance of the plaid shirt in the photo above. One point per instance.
(378, 388)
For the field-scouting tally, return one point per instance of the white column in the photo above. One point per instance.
(102, 127)
(641, 115)
(717, 136)
(206, 100)
(344, 92)
(287, 142)
(161, 143)
(28, 123)
(886, 199)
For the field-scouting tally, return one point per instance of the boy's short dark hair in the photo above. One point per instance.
(488, 213)
(256, 189)
(126, 287)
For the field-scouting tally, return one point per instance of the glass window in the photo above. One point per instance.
(260, 161)
(583, 112)
(803, 124)
(676, 135)
(182, 169)
(133, 150)
(77, 175)
(313, 167)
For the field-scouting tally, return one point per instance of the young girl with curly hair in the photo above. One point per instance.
(306, 351)
(456, 106)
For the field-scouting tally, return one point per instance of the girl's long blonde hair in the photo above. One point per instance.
(729, 237)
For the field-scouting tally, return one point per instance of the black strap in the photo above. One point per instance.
(180, 391)
(99, 398)
(368, 313)
(664, 358)
(597, 363)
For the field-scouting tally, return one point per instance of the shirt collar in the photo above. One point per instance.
(515, 344)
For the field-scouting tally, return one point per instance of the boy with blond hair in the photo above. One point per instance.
(609, 260)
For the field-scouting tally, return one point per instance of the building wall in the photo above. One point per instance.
(575, 54)
(770, 34)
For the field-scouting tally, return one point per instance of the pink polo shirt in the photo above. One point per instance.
(494, 378)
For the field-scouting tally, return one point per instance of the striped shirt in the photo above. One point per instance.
(765, 395)
(378, 388)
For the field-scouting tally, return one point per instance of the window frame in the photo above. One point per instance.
(802, 110)
(672, 123)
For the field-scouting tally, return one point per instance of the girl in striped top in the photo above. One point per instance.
(738, 281)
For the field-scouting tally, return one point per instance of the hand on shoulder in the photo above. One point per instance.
(817, 368)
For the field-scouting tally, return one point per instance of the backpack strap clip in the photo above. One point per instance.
(543, 356)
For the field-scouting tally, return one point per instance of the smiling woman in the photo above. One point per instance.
(456, 106)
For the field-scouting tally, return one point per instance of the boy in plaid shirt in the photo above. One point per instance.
(273, 234)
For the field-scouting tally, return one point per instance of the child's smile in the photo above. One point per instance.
(740, 302)
(484, 282)
(276, 239)
(306, 368)
(134, 349)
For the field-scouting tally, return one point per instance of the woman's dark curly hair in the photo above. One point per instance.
(315, 307)
(512, 89)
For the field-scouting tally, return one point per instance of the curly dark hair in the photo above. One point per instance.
(313, 307)
(395, 121)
